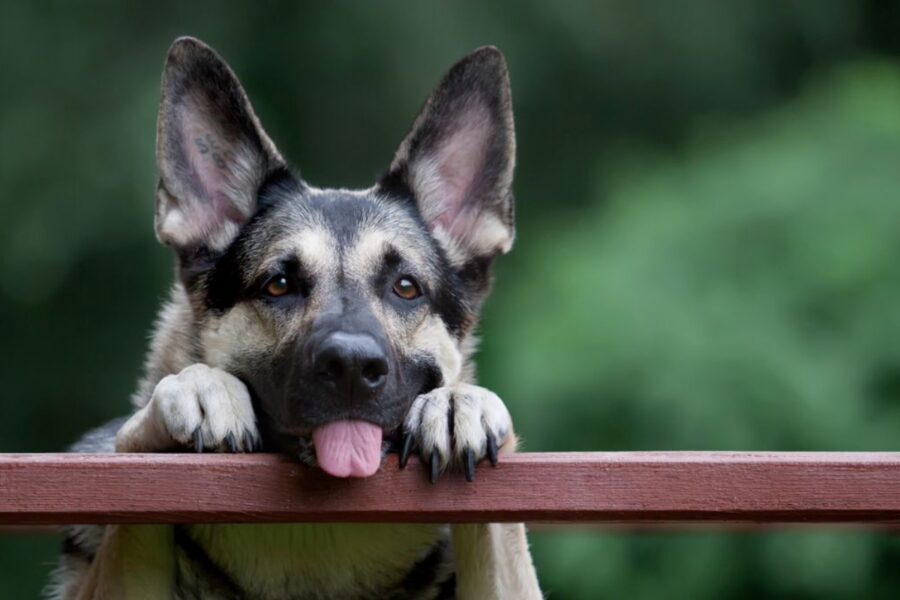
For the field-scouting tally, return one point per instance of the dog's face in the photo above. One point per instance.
(333, 304)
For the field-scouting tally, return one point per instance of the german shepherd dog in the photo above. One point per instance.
(331, 325)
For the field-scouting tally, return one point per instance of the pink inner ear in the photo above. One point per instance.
(211, 158)
(459, 160)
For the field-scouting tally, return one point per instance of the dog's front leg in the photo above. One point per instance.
(493, 562)
(492, 559)
(201, 406)
(459, 425)
(134, 562)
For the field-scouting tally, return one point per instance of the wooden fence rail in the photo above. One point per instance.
(620, 487)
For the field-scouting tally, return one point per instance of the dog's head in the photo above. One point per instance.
(333, 305)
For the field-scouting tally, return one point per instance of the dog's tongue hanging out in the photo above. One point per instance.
(348, 448)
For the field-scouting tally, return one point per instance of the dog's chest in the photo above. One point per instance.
(272, 562)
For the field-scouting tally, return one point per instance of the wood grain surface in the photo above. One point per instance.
(620, 487)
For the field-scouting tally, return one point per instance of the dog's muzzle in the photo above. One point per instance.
(352, 366)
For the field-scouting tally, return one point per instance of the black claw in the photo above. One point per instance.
(435, 464)
(470, 465)
(406, 449)
(248, 442)
(492, 449)
(231, 443)
(258, 445)
(198, 440)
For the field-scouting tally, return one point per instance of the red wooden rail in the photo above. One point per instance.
(629, 487)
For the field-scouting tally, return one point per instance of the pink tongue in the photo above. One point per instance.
(348, 448)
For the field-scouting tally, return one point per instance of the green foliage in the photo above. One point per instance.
(707, 256)
(737, 294)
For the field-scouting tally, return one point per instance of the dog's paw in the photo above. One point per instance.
(456, 426)
(207, 409)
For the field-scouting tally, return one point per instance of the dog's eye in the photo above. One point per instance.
(407, 288)
(278, 286)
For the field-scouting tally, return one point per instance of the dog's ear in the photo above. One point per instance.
(211, 152)
(457, 160)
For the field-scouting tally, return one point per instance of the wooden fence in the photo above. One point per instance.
(614, 487)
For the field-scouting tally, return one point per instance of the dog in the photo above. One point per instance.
(328, 324)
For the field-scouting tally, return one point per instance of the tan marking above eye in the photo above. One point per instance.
(407, 288)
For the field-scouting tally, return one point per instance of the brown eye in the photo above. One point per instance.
(278, 286)
(406, 288)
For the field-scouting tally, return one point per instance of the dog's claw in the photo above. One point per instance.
(231, 443)
(198, 440)
(492, 448)
(248, 442)
(406, 449)
(470, 465)
(435, 464)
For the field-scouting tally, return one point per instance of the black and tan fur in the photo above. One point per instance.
(236, 366)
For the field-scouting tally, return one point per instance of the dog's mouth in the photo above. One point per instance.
(347, 448)
(344, 443)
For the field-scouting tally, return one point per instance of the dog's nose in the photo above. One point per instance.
(354, 364)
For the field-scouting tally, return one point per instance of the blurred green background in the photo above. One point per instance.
(708, 253)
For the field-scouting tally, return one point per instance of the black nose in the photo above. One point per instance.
(354, 364)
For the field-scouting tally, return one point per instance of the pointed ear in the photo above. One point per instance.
(457, 160)
(211, 152)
